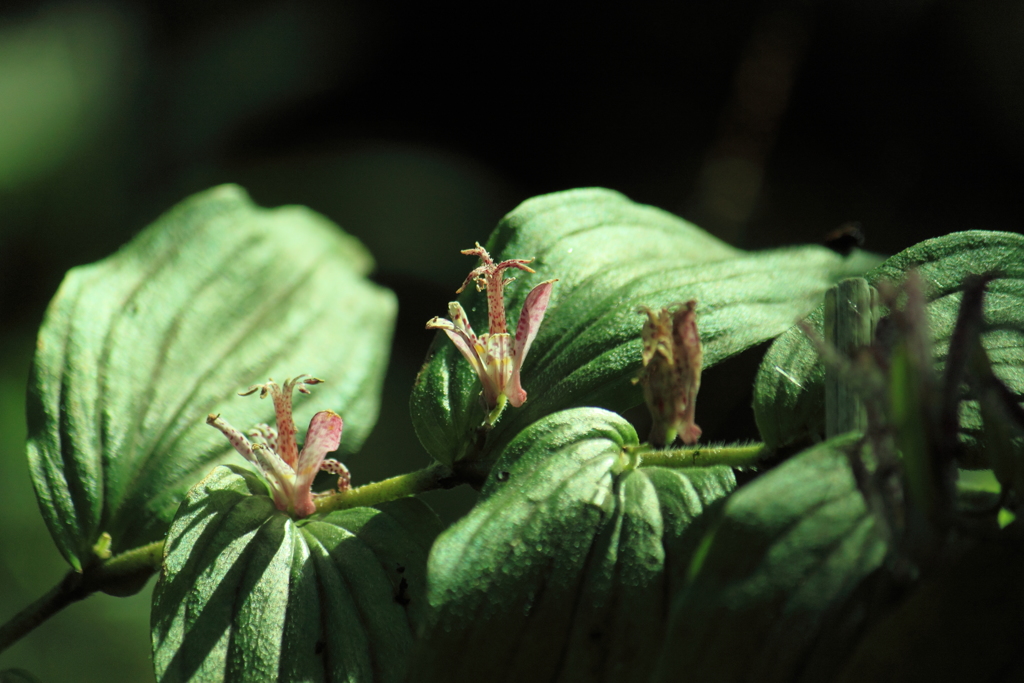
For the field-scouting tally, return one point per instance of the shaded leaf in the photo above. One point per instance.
(17, 676)
(562, 571)
(966, 623)
(978, 492)
(610, 256)
(767, 598)
(137, 349)
(248, 594)
(789, 390)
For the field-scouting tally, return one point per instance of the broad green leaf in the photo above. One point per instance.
(562, 571)
(789, 390)
(769, 588)
(137, 349)
(248, 594)
(610, 256)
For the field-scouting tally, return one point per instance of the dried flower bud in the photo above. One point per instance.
(672, 360)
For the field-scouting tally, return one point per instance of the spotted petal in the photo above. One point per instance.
(323, 436)
(530, 318)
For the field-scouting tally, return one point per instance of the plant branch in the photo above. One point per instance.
(701, 456)
(436, 476)
(123, 574)
(69, 590)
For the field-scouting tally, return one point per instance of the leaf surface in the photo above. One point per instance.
(770, 589)
(789, 389)
(610, 256)
(248, 594)
(562, 571)
(137, 349)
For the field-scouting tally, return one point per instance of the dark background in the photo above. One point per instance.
(417, 127)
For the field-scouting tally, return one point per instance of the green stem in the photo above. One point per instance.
(69, 590)
(701, 456)
(495, 413)
(123, 574)
(436, 476)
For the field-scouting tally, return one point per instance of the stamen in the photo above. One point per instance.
(284, 441)
(236, 437)
(344, 476)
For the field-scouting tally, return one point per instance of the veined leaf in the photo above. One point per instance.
(611, 255)
(562, 571)
(137, 349)
(248, 594)
(789, 390)
(767, 598)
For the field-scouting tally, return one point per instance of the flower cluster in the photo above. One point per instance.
(289, 472)
(496, 356)
(672, 360)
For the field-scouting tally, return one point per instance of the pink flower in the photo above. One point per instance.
(672, 360)
(495, 357)
(289, 472)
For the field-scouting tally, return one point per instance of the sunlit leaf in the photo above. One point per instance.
(137, 349)
(247, 594)
(611, 255)
(789, 390)
(563, 570)
(772, 590)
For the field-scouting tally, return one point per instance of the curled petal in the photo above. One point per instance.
(530, 318)
(460, 320)
(462, 337)
(344, 476)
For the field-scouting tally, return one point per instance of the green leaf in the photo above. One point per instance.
(610, 256)
(562, 570)
(137, 349)
(789, 390)
(248, 594)
(767, 598)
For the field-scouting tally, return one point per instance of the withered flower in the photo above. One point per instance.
(672, 360)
